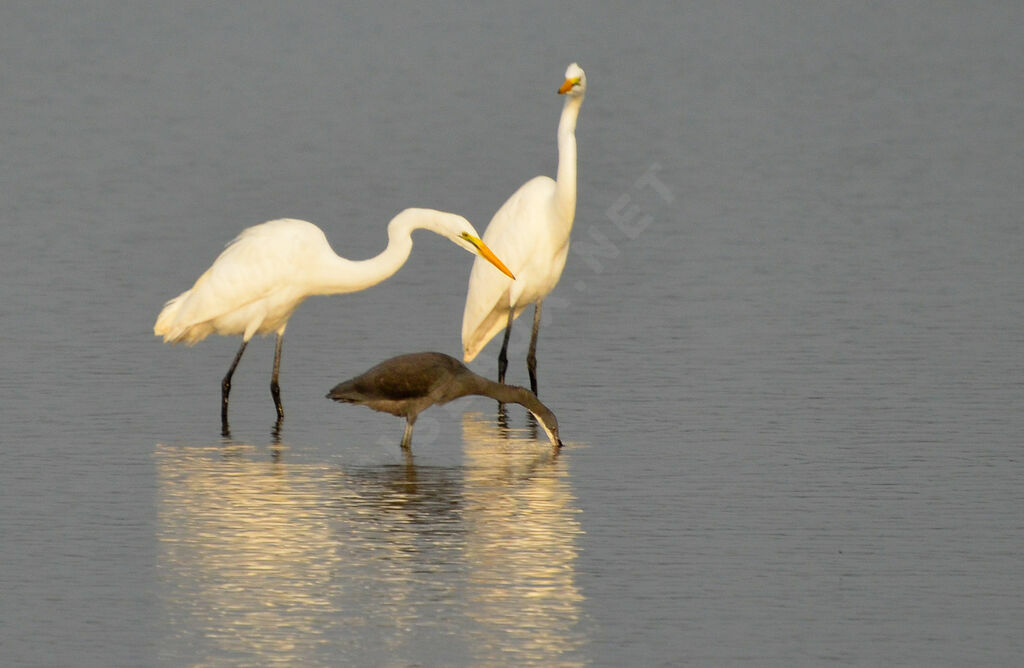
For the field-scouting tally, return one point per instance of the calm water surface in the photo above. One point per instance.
(785, 353)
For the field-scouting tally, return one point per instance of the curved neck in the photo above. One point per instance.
(352, 276)
(565, 184)
(513, 394)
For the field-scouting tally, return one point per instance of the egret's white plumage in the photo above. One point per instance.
(530, 232)
(262, 276)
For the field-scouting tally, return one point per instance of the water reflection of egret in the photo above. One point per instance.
(265, 561)
(245, 562)
(520, 517)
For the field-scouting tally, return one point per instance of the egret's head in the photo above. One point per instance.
(464, 235)
(449, 225)
(575, 84)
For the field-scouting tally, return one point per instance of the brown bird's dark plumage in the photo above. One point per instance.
(409, 384)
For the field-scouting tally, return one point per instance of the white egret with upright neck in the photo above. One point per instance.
(530, 232)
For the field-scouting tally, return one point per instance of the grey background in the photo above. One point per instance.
(786, 351)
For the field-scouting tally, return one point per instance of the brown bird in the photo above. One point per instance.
(409, 384)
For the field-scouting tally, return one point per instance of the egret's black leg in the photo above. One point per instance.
(225, 390)
(503, 355)
(531, 357)
(275, 388)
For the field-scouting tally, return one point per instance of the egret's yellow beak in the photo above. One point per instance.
(487, 254)
(567, 85)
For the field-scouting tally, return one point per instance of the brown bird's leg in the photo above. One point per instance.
(531, 357)
(275, 388)
(407, 437)
(503, 355)
(225, 390)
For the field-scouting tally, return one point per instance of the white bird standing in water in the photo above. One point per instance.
(262, 276)
(531, 233)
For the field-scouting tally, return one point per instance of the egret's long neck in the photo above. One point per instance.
(352, 276)
(565, 184)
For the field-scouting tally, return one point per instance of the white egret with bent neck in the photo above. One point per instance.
(262, 276)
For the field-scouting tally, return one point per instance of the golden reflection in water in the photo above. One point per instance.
(245, 563)
(266, 562)
(521, 534)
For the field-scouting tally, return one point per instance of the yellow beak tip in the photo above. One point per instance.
(567, 86)
(489, 255)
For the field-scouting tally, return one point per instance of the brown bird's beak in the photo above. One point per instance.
(567, 85)
(489, 255)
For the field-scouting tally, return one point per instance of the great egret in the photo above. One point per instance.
(269, 269)
(409, 384)
(531, 232)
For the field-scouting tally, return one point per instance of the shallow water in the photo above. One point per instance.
(785, 352)
(292, 563)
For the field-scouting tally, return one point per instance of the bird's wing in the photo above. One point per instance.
(514, 234)
(405, 377)
(259, 261)
(394, 386)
